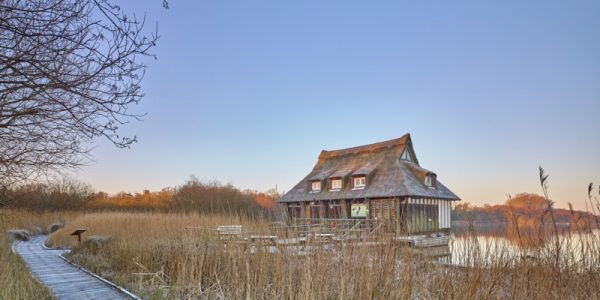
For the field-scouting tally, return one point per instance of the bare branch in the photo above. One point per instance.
(69, 73)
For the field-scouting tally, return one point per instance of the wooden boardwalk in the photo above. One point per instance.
(64, 279)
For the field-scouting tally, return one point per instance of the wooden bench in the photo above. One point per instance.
(229, 231)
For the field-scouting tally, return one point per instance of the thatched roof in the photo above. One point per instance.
(387, 174)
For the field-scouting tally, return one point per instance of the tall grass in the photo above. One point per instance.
(181, 263)
(157, 256)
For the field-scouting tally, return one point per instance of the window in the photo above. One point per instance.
(360, 182)
(406, 155)
(430, 180)
(336, 184)
(315, 186)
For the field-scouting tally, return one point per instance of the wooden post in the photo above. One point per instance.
(345, 209)
(286, 214)
(408, 216)
(78, 233)
(369, 213)
(398, 215)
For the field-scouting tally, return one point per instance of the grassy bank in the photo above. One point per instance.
(16, 282)
(154, 255)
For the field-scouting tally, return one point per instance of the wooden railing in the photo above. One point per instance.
(343, 228)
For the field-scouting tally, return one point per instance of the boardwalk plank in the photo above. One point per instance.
(66, 281)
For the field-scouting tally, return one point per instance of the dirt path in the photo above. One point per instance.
(64, 279)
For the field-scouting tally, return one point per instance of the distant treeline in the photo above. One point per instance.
(525, 212)
(192, 196)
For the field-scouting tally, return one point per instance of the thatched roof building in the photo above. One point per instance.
(386, 173)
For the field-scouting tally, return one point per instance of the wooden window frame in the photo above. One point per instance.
(312, 186)
(430, 180)
(364, 184)
(332, 180)
(406, 155)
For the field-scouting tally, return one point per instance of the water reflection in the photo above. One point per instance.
(487, 251)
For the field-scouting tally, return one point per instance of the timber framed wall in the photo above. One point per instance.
(406, 215)
(427, 214)
(384, 211)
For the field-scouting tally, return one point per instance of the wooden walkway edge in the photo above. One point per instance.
(65, 279)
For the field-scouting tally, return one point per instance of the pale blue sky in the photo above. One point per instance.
(249, 92)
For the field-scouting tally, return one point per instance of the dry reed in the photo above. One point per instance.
(179, 263)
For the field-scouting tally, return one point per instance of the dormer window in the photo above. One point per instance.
(430, 180)
(336, 184)
(315, 186)
(360, 182)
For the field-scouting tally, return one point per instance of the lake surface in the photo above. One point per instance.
(580, 249)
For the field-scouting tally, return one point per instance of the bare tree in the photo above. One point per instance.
(70, 70)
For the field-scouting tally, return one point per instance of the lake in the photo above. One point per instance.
(484, 250)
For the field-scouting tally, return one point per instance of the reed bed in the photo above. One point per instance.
(154, 255)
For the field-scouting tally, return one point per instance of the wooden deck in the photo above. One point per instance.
(64, 279)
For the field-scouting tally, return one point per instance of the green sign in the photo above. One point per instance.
(359, 210)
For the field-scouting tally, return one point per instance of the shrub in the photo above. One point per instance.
(19, 234)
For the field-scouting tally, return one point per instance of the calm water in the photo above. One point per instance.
(575, 249)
